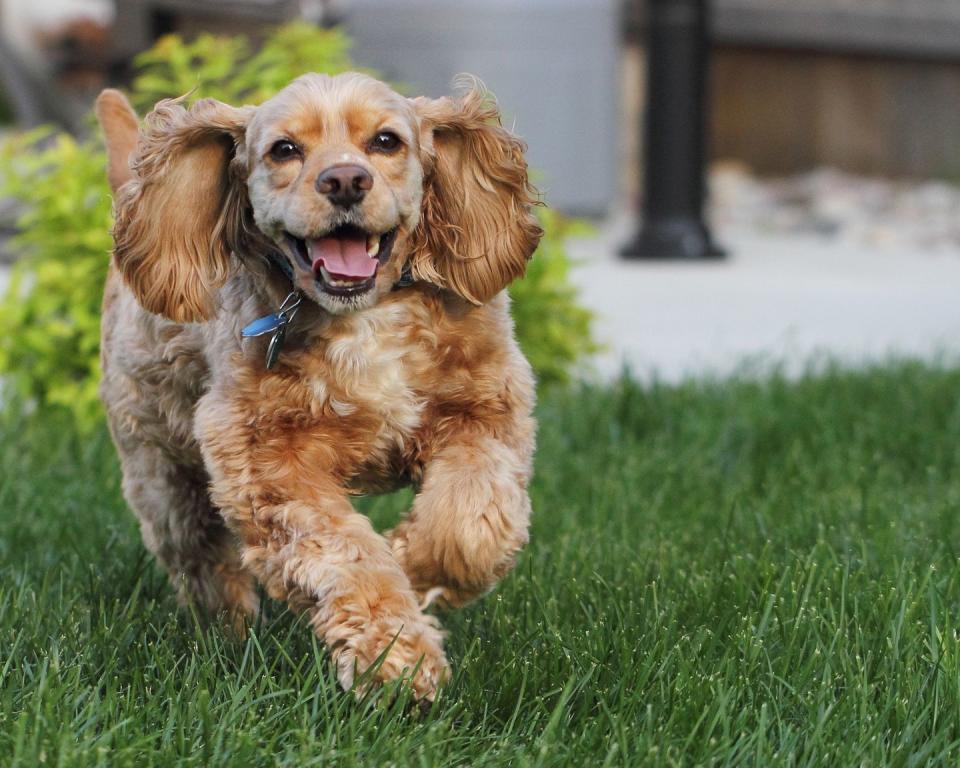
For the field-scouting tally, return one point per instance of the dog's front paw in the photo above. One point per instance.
(422, 577)
(392, 649)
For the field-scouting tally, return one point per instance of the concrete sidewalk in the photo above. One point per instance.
(777, 299)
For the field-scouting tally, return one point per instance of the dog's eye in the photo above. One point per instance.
(385, 141)
(284, 150)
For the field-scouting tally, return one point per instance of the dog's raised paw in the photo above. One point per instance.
(412, 652)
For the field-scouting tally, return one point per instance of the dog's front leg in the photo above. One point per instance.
(303, 540)
(470, 517)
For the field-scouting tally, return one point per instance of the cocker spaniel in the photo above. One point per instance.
(306, 302)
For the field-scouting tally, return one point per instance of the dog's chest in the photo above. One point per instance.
(365, 375)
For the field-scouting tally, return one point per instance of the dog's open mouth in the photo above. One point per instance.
(344, 261)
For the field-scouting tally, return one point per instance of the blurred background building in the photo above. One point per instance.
(552, 63)
(828, 119)
(867, 86)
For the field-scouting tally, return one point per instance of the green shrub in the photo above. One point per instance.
(225, 68)
(554, 331)
(50, 313)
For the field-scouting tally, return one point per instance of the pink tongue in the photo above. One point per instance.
(344, 257)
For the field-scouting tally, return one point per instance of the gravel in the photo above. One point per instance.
(821, 267)
(918, 215)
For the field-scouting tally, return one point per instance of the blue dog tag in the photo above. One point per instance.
(277, 325)
(262, 325)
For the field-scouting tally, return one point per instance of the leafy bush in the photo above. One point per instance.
(225, 68)
(51, 311)
(50, 314)
(554, 331)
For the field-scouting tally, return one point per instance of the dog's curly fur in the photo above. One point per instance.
(241, 474)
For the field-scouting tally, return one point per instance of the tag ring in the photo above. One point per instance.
(289, 307)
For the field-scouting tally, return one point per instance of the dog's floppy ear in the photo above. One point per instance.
(477, 230)
(120, 129)
(181, 214)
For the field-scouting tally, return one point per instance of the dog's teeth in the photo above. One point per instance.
(330, 279)
(333, 282)
(373, 245)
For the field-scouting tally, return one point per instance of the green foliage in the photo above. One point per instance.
(50, 314)
(554, 331)
(226, 68)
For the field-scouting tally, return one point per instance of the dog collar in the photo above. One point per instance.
(276, 323)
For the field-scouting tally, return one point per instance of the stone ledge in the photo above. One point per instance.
(927, 28)
(906, 28)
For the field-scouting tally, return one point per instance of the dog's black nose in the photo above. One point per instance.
(344, 185)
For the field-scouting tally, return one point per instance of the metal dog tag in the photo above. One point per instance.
(275, 345)
(277, 324)
(261, 326)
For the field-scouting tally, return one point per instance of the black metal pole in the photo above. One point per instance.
(672, 224)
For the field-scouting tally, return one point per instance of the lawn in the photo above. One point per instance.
(719, 573)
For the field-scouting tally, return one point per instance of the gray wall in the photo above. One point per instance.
(551, 63)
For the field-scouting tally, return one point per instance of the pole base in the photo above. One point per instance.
(681, 239)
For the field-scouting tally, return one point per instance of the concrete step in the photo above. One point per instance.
(784, 299)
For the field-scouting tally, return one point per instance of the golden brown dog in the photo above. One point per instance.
(397, 223)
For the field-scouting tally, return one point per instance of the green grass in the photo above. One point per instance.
(739, 573)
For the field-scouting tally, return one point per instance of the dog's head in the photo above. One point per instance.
(341, 177)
